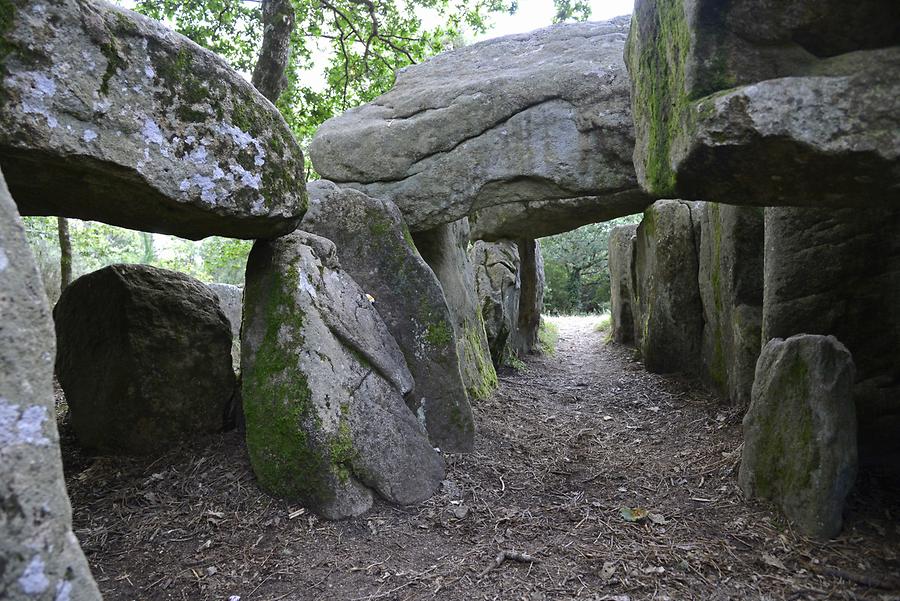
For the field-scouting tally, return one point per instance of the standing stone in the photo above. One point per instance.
(498, 287)
(231, 301)
(668, 310)
(525, 339)
(731, 288)
(445, 249)
(767, 103)
(144, 357)
(374, 246)
(539, 123)
(130, 123)
(837, 271)
(800, 431)
(621, 282)
(324, 385)
(40, 558)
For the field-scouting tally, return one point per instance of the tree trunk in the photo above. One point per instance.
(278, 24)
(149, 250)
(65, 253)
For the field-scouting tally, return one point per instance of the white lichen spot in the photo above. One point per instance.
(22, 427)
(39, 9)
(149, 72)
(36, 90)
(305, 285)
(89, 135)
(258, 206)
(420, 412)
(4, 260)
(152, 134)
(33, 580)
(250, 180)
(198, 155)
(63, 591)
(206, 185)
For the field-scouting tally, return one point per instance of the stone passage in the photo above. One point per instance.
(324, 385)
(800, 431)
(621, 282)
(231, 301)
(144, 357)
(374, 246)
(533, 132)
(132, 124)
(39, 555)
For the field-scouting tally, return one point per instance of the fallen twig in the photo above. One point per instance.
(887, 583)
(508, 556)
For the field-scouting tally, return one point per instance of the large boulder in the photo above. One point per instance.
(144, 357)
(323, 386)
(668, 311)
(231, 301)
(445, 249)
(497, 287)
(800, 431)
(39, 555)
(731, 288)
(837, 271)
(762, 103)
(375, 248)
(541, 116)
(132, 124)
(620, 260)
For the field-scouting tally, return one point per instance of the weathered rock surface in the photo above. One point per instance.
(39, 556)
(375, 248)
(811, 115)
(132, 124)
(144, 357)
(800, 431)
(620, 260)
(536, 117)
(524, 339)
(731, 288)
(837, 271)
(497, 287)
(445, 249)
(668, 311)
(324, 384)
(231, 301)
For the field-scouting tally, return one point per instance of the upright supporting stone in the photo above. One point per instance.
(375, 248)
(621, 282)
(39, 556)
(800, 431)
(231, 301)
(498, 286)
(445, 249)
(144, 357)
(731, 288)
(531, 298)
(837, 271)
(323, 386)
(668, 311)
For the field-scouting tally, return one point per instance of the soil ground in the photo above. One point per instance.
(562, 446)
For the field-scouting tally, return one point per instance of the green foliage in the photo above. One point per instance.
(548, 336)
(575, 269)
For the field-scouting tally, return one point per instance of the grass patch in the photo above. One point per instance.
(604, 324)
(548, 336)
(514, 362)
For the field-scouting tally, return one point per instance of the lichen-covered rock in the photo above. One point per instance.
(800, 431)
(524, 338)
(620, 260)
(731, 288)
(668, 311)
(541, 117)
(375, 248)
(445, 249)
(755, 103)
(497, 287)
(837, 271)
(130, 123)
(231, 301)
(323, 386)
(40, 559)
(144, 357)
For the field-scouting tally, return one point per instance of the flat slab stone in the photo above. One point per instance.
(108, 115)
(39, 555)
(542, 117)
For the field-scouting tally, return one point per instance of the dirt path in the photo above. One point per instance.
(562, 447)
